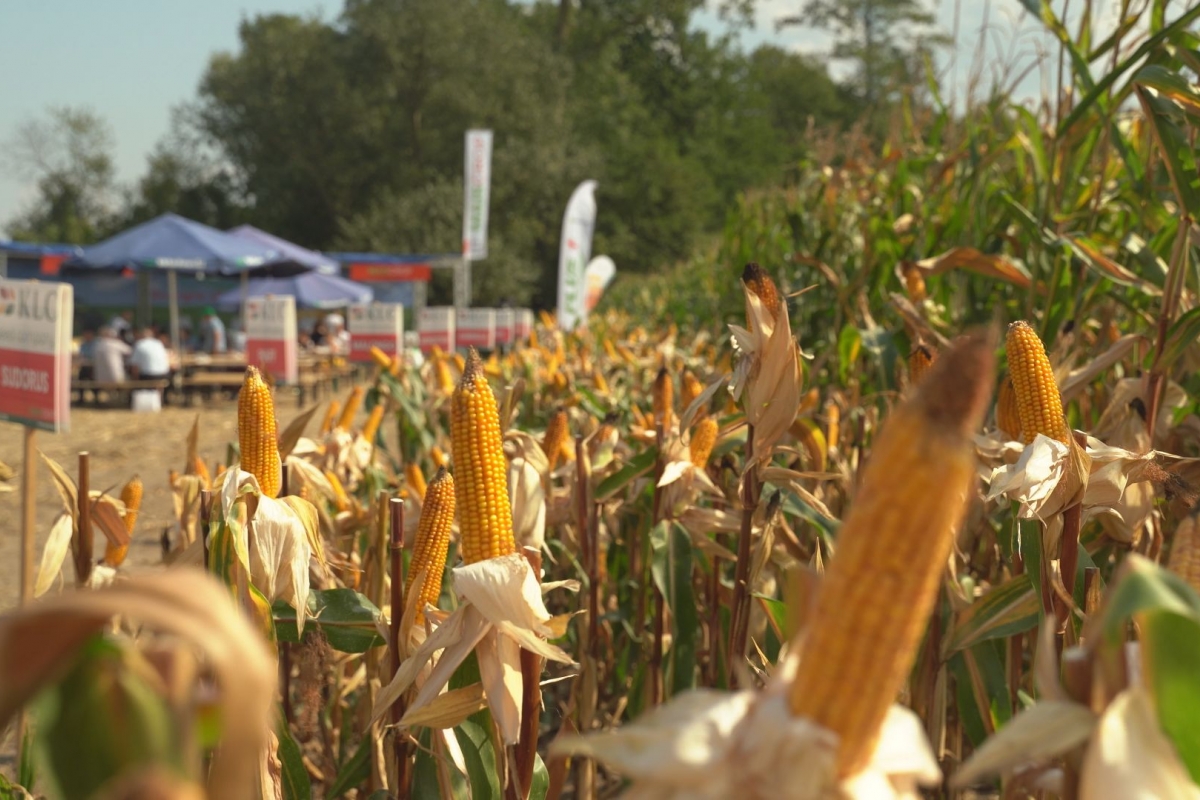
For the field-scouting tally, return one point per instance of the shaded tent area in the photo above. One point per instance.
(312, 290)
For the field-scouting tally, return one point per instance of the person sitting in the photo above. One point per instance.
(150, 359)
(338, 340)
(212, 332)
(108, 357)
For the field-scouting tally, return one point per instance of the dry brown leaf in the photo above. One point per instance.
(292, 433)
(992, 265)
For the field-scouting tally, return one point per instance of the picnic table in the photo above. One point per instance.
(205, 375)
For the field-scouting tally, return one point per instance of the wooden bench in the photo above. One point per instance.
(81, 388)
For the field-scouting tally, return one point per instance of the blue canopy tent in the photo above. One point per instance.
(173, 243)
(311, 290)
(301, 259)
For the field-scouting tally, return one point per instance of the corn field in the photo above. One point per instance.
(917, 519)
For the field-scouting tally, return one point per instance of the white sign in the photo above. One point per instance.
(599, 273)
(35, 353)
(435, 328)
(523, 325)
(477, 328)
(506, 323)
(574, 252)
(477, 171)
(271, 336)
(376, 325)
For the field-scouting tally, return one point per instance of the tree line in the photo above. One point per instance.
(348, 133)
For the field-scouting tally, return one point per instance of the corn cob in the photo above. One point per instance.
(131, 497)
(760, 284)
(381, 359)
(609, 350)
(341, 501)
(201, 471)
(914, 285)
(1008, 416)
(481, 488)
(1185, 550)
(438, 456)
(351, 409)
(691, 389)
(600, 382)
(558, 430)
(547, 319)
(664, 397)
(882, 583)
(919, 361)
(331, 414)
(459, 362)
(256, 433)
(416, 478)
(533, 339)
(1039, 404)
(373, 422)
(433, 540)
(704, 436)
(441, 371)
(808, 401)
(833, 418)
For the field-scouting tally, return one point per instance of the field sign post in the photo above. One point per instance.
(477, 328)
(376, 325)
(435, 328)
(35, 383)
(271, 337)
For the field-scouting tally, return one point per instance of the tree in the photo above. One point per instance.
(69, 156)
(870, 33)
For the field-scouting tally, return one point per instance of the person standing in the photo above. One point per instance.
(108, 357)
(212, 332)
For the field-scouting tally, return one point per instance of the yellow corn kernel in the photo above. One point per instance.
(416, 479)
(432, 541)
(481, 485)
(1008, 416)
(341, 501)
(256, 433)
(760, 284)
(459, 362)
(1039, 404)
(833, 418)
(664, 397)
(1185, 551)
(201, 471)
(558, 430)
(331, 414)
(919, 361)
(691, 389)
(351, 409)
(704, 436)
(883, 581)
(373, 422)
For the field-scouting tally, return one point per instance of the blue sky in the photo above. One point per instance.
(131, 61)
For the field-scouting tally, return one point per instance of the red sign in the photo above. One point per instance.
(35, 355)
(477, 328)
(523, 324)
(375, 325)
(50, 263)
(271, 336)
(435, 328)
(382, 273)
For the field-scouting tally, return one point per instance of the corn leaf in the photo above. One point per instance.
(1005, 610)
(1171, 655)
(295, 781)
(354, 771)
(292, 433)
(346, 618)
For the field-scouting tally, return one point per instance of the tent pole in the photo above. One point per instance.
(173, 301)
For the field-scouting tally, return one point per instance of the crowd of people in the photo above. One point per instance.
(117, 351)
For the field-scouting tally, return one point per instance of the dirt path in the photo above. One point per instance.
(121, 444)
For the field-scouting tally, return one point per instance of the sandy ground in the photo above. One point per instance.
(121, 444)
